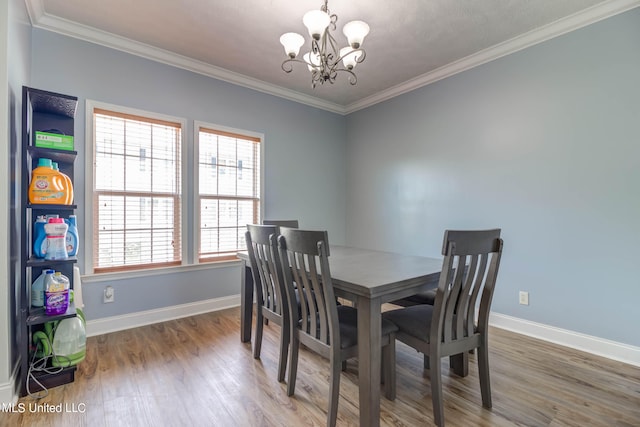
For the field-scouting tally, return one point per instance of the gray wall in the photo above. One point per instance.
(15, 48)
(299, 141)
(543, 143)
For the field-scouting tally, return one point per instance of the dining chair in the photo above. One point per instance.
(270, 295)
(458, 320)
(291, 223)
(323, 326)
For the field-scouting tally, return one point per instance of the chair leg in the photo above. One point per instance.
(284, 352)
(435, 375)
(389, 368)
(483, 374)
(293, 365)
(459, 363)
(334, 391)
(257, 342)
(425, 362)
(344, 365)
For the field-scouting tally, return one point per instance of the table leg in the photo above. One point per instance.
(246, 303)
(369, 360)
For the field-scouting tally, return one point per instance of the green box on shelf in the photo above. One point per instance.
(54, 140)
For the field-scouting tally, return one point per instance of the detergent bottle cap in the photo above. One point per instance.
(56, 220)
(45, 162)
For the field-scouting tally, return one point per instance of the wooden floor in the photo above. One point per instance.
(196, 372)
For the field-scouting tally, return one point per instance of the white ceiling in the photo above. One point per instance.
(411, 43)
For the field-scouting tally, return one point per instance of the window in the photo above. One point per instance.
(137, 201)
(228, 189)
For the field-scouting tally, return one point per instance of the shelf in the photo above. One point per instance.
(51, 207)
(52, 153)
(65, 376)
(37, 316)
(41, 262)
(43, 101)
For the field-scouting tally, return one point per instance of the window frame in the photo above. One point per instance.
(90, 178)
(197, 125)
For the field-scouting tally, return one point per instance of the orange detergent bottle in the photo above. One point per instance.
(67, 183)
(48, 186)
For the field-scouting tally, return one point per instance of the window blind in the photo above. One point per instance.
(137, 200)
(229, 191)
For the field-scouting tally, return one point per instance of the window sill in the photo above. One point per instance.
(149, 272)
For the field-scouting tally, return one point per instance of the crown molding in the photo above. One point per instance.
(565, 25)
(40, 19)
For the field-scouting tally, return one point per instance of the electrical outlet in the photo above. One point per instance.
(524, 298)
(109, 295)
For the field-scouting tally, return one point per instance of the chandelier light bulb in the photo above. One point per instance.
(355, 32)
(316, 22)
(292, 43)
(349, 57)
(312, 60)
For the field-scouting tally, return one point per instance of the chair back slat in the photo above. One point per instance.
(466, 284)
(265, 264)
(304, 256)
(468, 271)
(489, 286)
(451, 292)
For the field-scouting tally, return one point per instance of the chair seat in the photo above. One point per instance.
(414, 320)
(348, 317)
(426, 297)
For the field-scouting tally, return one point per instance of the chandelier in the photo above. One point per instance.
(323, 60)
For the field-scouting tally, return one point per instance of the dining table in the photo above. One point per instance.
(368, 278)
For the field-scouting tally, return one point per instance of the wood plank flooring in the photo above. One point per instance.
(196, 372)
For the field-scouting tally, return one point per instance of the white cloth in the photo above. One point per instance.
(77, 288)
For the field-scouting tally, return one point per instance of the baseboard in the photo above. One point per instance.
(8, 394)
(601, 347)
(118, 323)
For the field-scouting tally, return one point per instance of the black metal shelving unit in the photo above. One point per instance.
(42, 111)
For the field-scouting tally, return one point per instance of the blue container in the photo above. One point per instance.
(37, 289)
(40, 237)
(72, 236)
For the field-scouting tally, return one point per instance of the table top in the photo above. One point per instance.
(375, 273)
(370, 273)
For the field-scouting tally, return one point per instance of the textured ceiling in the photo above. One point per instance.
(409, 39)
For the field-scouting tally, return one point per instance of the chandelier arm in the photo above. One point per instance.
(287, 65)
(359, 59)
(352, 78)
(334, 50)
(333, 21)
(315, 78)
(315, 47)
